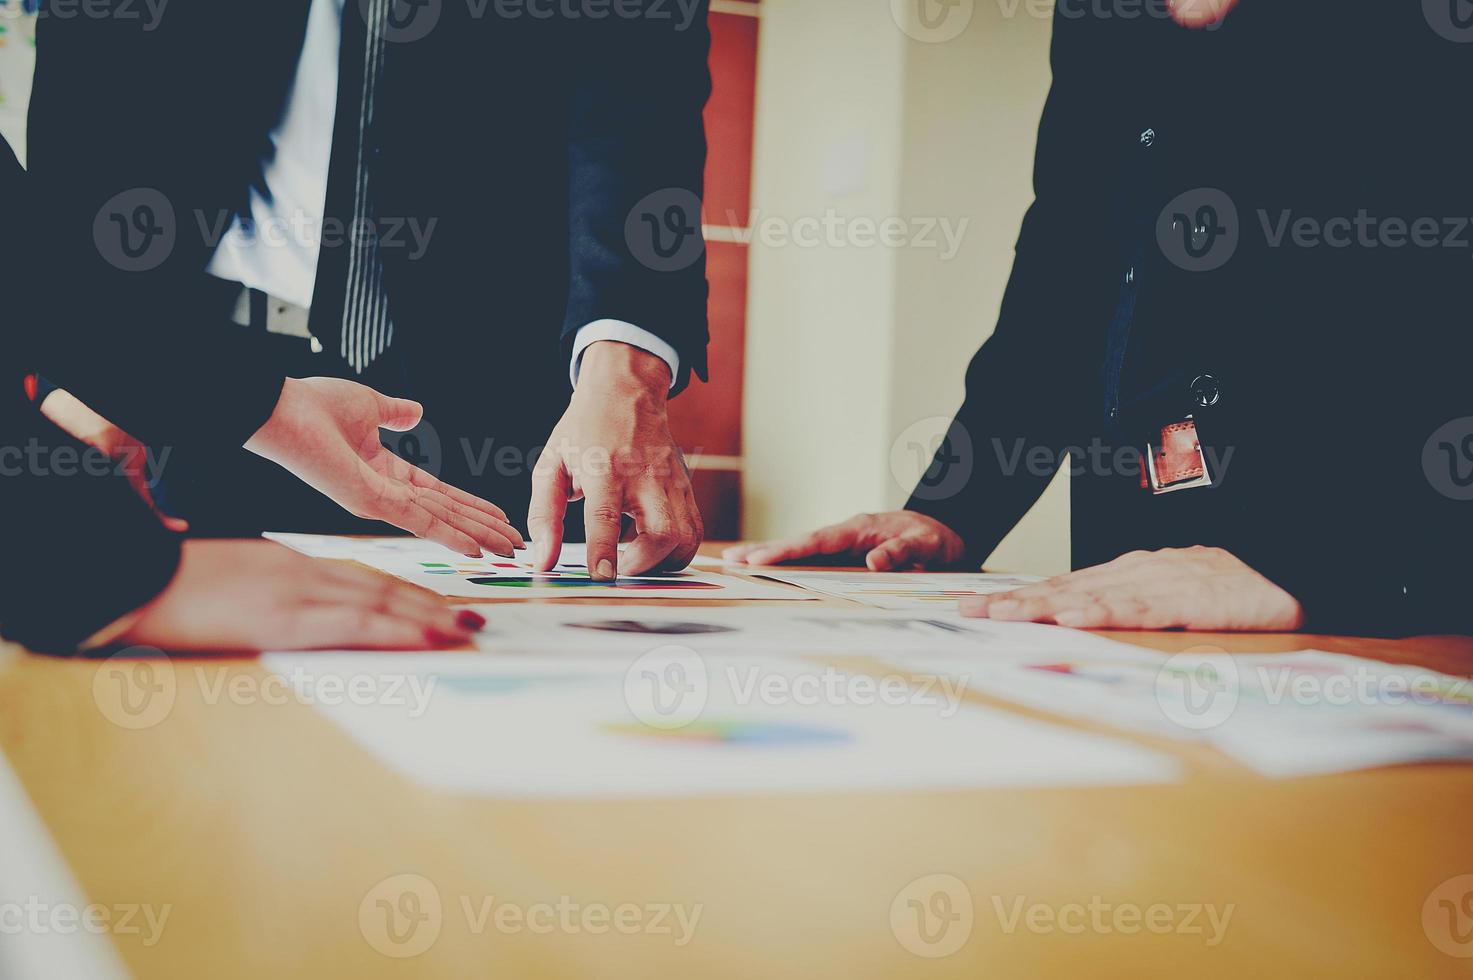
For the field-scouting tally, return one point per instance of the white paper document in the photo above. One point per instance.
(670, 722)
(366, 550)
(903, 590)
(1283, 715)
(579, 630)
(492, 577)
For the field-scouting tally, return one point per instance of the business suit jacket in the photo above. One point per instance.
(1330, 366)
(83, 548)
(524, 143)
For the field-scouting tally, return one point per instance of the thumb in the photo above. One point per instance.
(893, 555)
(1200, 13)
(398, 414)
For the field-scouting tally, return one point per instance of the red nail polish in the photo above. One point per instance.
(470, 620)
(445, 637)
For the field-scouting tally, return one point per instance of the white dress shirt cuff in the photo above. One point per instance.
(624, 333)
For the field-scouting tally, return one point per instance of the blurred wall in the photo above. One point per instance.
(17, 62)
(868, 116)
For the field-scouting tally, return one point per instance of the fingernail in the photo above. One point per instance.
(508, 553)
(606, 570)
(470, 620)
(474, 554)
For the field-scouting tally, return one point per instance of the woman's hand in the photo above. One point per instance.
(230, 596)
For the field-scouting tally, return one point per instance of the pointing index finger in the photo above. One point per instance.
(550, 491)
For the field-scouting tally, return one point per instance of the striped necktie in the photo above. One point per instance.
(350, 275)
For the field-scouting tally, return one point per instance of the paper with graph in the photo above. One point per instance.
(903, 590)
(583, 629)
(1282, 714)
(672, 723)
(492, 577)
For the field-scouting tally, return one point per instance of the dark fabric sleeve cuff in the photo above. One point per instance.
(91, 549)
(1343, 597)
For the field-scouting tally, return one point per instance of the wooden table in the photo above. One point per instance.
(266, 832)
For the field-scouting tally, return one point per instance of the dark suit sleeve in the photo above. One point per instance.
(121, 239)
(85, 548)
(1026, 387)
(90, 551)
(636, 156)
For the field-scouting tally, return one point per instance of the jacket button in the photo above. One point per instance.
(1148, 136)
(1207, 390)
